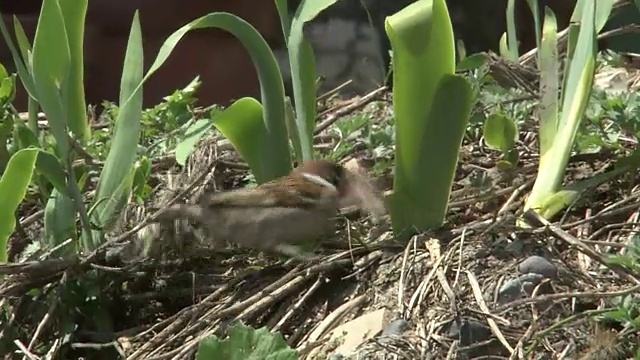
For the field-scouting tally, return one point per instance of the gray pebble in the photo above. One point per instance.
(396, 327)
(521, 287)
(538, 265)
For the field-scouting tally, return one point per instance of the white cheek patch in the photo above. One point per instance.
(319, 180)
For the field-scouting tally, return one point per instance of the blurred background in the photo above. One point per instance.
(348, 39)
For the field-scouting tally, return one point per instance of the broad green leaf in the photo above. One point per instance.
(275, 153)
(241, 123)
(111, 206)
(51, 65)
(503, 47)
(576, 94)
(285, 19)
(48, 165)
(432, 108)
(303, 71)
(534, 6)
(59, 220)
(6, 90)
(24, 136)
(512, 35)
(13, 187)
(500, 132)
(126, 136)
(245, 343)
(194, 133)
(416, 206)
(557, 201)
(74, 12)
(25, 75)
(24, 70)
(7, 87)
(23, 41)
(561, 199)
(601, 15)
(472, 62)
(3, 72)
(549, 66)
(303, 78)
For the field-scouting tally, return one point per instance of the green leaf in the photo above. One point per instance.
(48, 165)
(534, 6)
(23, 41)
(24, 136)
(124, 146)
(576, 94)
(512, 39)
(51, 65)
(555, 202)
(303, 72)
(549, 66)
(242, 124)
(142, 172)
(432, 108)
(275, 151)
(473, 62)
(6, 90)
(194, 133)
(7, 87)
(13, 187)
(503, 47)
(603, 9)
(245, 343)
(500, 132)
(74, 12)
(24, 70)
(285, 20)
(59, 220)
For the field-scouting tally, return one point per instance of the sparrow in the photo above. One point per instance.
(277, 215)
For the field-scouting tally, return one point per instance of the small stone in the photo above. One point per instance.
(396, 327)
(538, 265)
(468, 332)
(471, 332)
(521, 287)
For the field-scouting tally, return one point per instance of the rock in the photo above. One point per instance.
(538, 265)
(396, 327)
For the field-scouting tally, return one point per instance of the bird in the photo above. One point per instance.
(279, 215)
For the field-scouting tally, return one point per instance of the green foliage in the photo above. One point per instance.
(625, 310)
(163, 126)
(432, 107)
(13, 186)
(501, 133)
(274, 149)
(509, 40)
(246, 343)
(265, 141)
(303, 67)
(558, 128)
(53, 76)
(116, 178)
